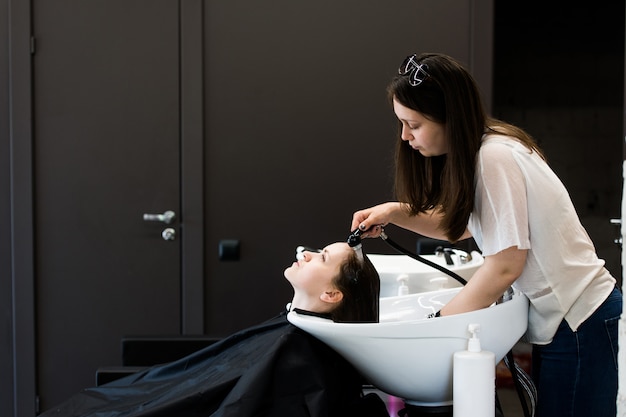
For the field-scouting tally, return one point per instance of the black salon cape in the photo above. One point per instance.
(273, 369)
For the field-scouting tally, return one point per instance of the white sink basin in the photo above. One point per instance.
(409, 356)
(419, 277)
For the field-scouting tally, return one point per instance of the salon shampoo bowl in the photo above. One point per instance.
(410, 356)
(419, 277)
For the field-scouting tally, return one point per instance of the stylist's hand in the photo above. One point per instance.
(371, 220)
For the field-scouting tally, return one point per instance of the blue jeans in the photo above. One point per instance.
(576, 374)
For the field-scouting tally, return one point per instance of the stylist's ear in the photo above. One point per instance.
(332, 297)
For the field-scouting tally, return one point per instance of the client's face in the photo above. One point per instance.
(314, 274)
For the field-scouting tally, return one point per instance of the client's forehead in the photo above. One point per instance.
(338, 249)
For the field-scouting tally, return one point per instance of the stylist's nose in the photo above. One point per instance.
(405, 135)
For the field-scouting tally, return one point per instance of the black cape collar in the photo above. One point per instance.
(312, 313)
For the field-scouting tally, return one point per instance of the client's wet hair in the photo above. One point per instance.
(359, 282)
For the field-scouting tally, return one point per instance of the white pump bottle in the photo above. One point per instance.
(474, 379)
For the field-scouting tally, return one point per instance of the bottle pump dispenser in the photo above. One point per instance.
(474, 379)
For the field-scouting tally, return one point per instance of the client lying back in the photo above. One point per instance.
(273, 369)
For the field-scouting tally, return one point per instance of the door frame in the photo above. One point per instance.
(22, 233)
(21, 47)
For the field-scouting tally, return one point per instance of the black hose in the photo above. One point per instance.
(423, 260)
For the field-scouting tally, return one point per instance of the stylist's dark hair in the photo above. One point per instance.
(450, 96)
(360, 284)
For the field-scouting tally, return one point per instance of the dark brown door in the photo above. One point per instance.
(106, 152)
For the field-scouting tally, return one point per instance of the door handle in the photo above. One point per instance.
(166, 217)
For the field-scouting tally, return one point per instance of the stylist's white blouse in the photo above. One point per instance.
(521, 202)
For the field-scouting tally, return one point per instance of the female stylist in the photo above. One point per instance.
(461, 174)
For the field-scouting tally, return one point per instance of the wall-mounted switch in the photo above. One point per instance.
(229, 250)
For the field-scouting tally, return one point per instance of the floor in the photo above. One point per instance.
(510, 402)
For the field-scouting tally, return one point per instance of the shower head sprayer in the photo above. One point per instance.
(354, 241)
